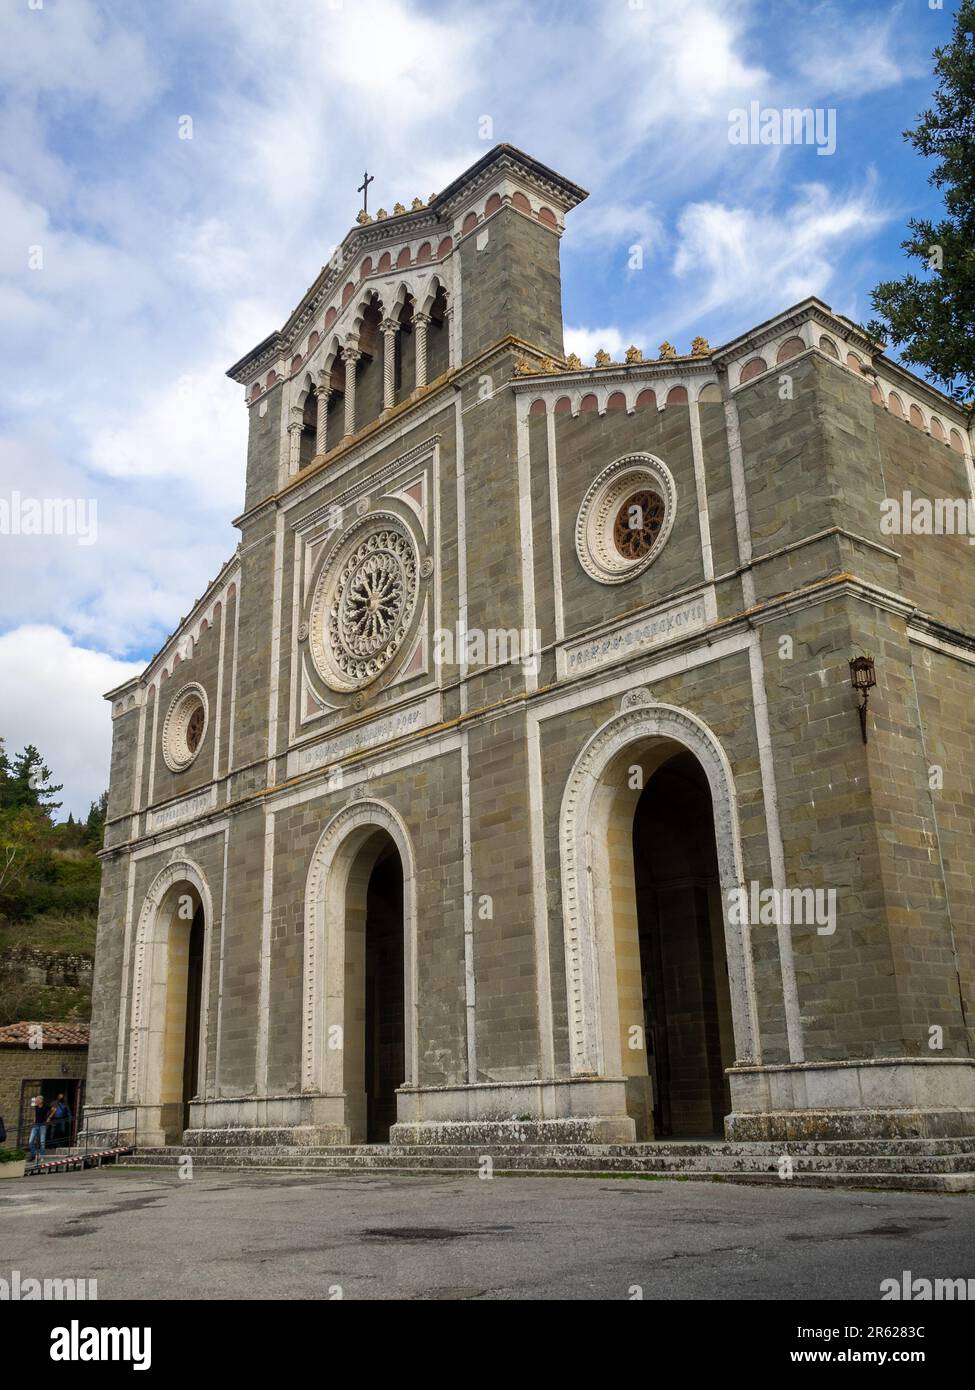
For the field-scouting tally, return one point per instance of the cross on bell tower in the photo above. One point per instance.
(363, 188)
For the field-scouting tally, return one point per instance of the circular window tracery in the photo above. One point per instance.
(625, 518)
(185, 726)
(364, 602)
(638, 524)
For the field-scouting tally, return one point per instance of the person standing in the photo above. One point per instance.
(61, 1128)
(38, 1130)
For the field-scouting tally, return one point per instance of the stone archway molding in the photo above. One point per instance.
(148, 971)
(325, 908)
(588, 936)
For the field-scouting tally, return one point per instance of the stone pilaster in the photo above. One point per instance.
(450, 325)
(294, 439)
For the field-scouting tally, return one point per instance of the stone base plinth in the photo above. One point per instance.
(581, 1110)
(869, 1098)
(240, 1136)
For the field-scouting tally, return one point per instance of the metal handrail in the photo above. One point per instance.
(119, 1111)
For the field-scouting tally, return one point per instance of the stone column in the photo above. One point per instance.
(390, 328)
(420, 325)
(322, 396)
(350, 356)
(294, 439)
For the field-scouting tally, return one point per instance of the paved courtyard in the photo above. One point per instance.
(146, 1234)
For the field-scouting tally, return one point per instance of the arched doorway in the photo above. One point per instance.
(658, 978)
(168, 1031)
(384, 1045)
(359, 1043)
(193, 1012)
(688, 1033)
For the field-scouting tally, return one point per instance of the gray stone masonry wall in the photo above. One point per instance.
(254, 638)
(721, 506)
(243, 923)
(916, 904)
(121, 777)
(495, 597)
(542, 533)
(946, 697)
(107, 981)
(263, 446)
(511, 286)
(936, 572)
(584, 446)
(828, 458)
(847, 992)
(426, 795)
(201, 668)
(504, 952)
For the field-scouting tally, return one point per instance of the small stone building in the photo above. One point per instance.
(41, 1059)
(512, 768)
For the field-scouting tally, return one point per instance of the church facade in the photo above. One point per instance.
(512, 777)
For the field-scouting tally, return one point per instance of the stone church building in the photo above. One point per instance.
(510, 778)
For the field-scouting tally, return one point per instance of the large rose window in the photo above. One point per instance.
(364, 603)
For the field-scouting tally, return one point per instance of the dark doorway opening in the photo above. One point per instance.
(683, 964)
(61, 1133)
(194, 1005)
(385, 1049)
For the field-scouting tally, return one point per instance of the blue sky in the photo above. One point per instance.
(164, 259)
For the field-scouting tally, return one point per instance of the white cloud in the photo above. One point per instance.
(611, 226)
(69, 49)
(764, 259)
(51, 695)
(587, 342)
(845, 56)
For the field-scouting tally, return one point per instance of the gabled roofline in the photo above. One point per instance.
(137, 682)
(410, 223)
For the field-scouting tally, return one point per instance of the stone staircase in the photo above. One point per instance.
(933, 1165)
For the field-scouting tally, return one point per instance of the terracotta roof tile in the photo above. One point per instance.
(54, 1034)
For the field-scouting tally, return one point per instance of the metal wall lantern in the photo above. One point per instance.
(863, 677)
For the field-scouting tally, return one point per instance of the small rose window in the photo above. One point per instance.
(625, 518)
(185, 727)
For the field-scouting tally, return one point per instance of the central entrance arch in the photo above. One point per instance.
(359, 1026)
(686, 1005)
(611, 975)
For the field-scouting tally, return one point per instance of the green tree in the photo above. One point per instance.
(30, 783)
(932, 319)
(94, 832)
(25, 855)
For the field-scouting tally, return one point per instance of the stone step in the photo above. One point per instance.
(915, 1181)
(648, 1159)
(683, 1148)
